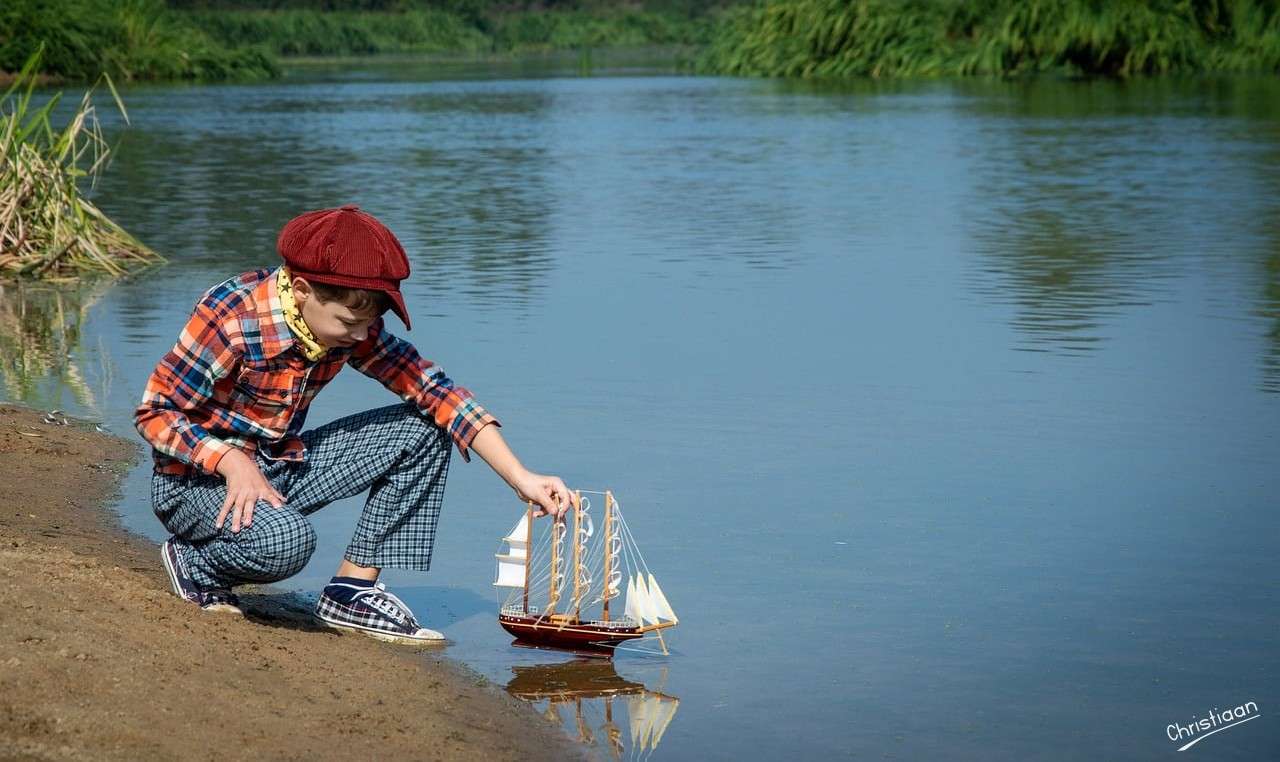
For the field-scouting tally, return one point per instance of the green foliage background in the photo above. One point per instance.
(224, 39)
(881, 38)
(238, 39)
(129, 39)
(429, 29)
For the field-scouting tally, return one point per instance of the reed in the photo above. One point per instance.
(48, 228)
(882, 38)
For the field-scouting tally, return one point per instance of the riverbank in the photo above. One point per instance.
(98, 660)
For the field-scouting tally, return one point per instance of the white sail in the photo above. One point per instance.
(660, 601)
(665, 712)
(644, 603)
(558, 531)
(510, 572)
(614, 581)
(633, 718)
(630, 610)
(646, 722)
(518, 537)
(511, 564)
(641, 721)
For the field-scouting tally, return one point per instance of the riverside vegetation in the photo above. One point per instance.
(886, 38)
(203, 40)
(242, 39)
(128, 39)
(48, 227)
(448, 27)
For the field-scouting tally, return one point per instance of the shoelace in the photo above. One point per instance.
(385, 602)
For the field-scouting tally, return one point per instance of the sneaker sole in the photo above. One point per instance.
(382, 635)
(223, 608)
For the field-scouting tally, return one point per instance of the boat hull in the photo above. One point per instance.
(541, 631)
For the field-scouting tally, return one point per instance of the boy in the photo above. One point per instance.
(235, 475)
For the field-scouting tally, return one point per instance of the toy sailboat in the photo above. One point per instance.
(594, 566)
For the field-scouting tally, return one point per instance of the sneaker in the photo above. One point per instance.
(218, 599)
(377, 613)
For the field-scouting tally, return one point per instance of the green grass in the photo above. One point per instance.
(885, 38)
(129, 39)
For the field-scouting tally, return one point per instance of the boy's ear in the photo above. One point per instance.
(302, 291)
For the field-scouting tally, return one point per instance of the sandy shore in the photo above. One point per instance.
(98, 660)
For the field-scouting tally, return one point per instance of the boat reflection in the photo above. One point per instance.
(594, 704)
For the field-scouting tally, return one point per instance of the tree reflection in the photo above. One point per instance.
(459, 176)
(1088, 189)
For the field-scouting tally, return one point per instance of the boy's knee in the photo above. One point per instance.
(286, 542)
(421, 436)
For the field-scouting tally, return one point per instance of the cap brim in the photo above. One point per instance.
(397, 301)
(397, 306)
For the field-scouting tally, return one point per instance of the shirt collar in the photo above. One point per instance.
(274, 332)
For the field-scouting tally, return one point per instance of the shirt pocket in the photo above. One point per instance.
(265, 397)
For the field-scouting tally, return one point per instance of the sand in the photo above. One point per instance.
(98, 660)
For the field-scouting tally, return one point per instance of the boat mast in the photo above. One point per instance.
(577, 556)
(608, 548)
(555, 563)
(528, 552)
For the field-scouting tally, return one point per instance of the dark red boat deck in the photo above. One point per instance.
(543, 631)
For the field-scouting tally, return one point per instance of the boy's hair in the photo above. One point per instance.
(360, 300)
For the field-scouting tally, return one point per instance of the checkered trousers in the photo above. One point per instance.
(399, 456)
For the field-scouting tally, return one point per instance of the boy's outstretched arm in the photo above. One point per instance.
(396, 364)
(547, 492)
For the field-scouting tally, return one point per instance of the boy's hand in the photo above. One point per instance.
(547, 493)
(245, 487)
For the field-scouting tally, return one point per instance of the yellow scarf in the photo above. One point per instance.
(307, 344)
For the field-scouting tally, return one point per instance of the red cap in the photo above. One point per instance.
(346, 247)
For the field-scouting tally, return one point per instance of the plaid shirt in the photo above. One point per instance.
(235, 379)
